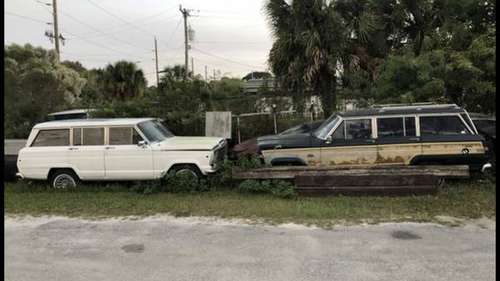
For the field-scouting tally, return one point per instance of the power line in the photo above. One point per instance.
(117, 17)
(121, 29)
(26, 18)
(173, 33)
(225, 59)
(99, 31)
(93, 28)
(100, 45)
(231, 42)
(76, 36)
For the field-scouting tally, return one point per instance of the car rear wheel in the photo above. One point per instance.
(64, 179)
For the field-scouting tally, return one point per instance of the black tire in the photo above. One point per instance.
(180, 169)
(64, 179)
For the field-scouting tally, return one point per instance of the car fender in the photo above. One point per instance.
(167, 167)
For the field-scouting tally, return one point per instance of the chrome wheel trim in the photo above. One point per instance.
(63, 181)
(187, 172)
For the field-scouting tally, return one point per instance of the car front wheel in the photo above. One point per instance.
(188, 170)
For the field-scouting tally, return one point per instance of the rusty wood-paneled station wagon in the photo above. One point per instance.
(438, 134)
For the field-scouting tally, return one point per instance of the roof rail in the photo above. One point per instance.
(412, 105)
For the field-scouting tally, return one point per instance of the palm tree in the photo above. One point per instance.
(172, 74)
(123, 80)
(310, 40)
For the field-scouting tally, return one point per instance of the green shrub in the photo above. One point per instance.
(249, 162)
(283, 189)
(277, 188)
(184, 183)
(147, 187)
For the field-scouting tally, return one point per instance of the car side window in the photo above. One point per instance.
(358, 129)
(396, 127)
(390, 127)
(442, 125)
(88, 136)
(123, 136)
(59, 137)
(410, 130)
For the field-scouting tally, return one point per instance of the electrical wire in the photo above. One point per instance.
(225, 59)
(99, 31)
(26, 18)
(118, 18)
(121, 29)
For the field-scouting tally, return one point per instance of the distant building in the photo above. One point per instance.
(256, 80)
(252, 86)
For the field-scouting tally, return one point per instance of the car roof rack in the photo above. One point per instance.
(417, 106)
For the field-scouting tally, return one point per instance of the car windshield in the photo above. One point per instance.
(326, 127)
(154, 131)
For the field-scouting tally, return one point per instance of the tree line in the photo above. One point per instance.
(386, 51)
(36, 85)
(367, 51)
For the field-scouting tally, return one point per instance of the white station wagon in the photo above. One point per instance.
(65, 152)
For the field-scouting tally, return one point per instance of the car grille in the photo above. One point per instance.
(220, 154)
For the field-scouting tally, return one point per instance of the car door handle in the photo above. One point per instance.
(73, 148)
(109, 147)
(414, 139)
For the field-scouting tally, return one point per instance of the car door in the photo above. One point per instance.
(124, 158)
(87, 152)
(351, 143)
(397, 140)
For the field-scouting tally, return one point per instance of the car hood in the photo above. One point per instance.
(285, 141)
(489, 131)
(191, 143)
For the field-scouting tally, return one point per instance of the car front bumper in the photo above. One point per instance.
(19, 176)
(486, 167)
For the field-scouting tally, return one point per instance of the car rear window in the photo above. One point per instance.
(59, 137)
(442, 125)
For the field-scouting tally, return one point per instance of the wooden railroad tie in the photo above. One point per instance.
(310, 180)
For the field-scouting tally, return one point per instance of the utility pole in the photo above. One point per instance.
(206, 74)
(54, 35)
(156, 60)
(185, 15)
(56, 28)
(192, 66)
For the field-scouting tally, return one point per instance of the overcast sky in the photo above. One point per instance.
(230, 36)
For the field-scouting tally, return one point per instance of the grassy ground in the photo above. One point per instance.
(461, 200)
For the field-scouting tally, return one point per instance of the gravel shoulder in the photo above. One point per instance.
(207, 248)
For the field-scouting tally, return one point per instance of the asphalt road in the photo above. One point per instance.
(166, 248)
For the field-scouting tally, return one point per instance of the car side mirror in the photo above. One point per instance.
(142, 143)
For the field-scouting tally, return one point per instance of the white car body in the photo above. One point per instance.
(145, 160)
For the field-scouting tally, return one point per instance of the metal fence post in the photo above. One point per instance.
(238, 128)
(274, 117)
